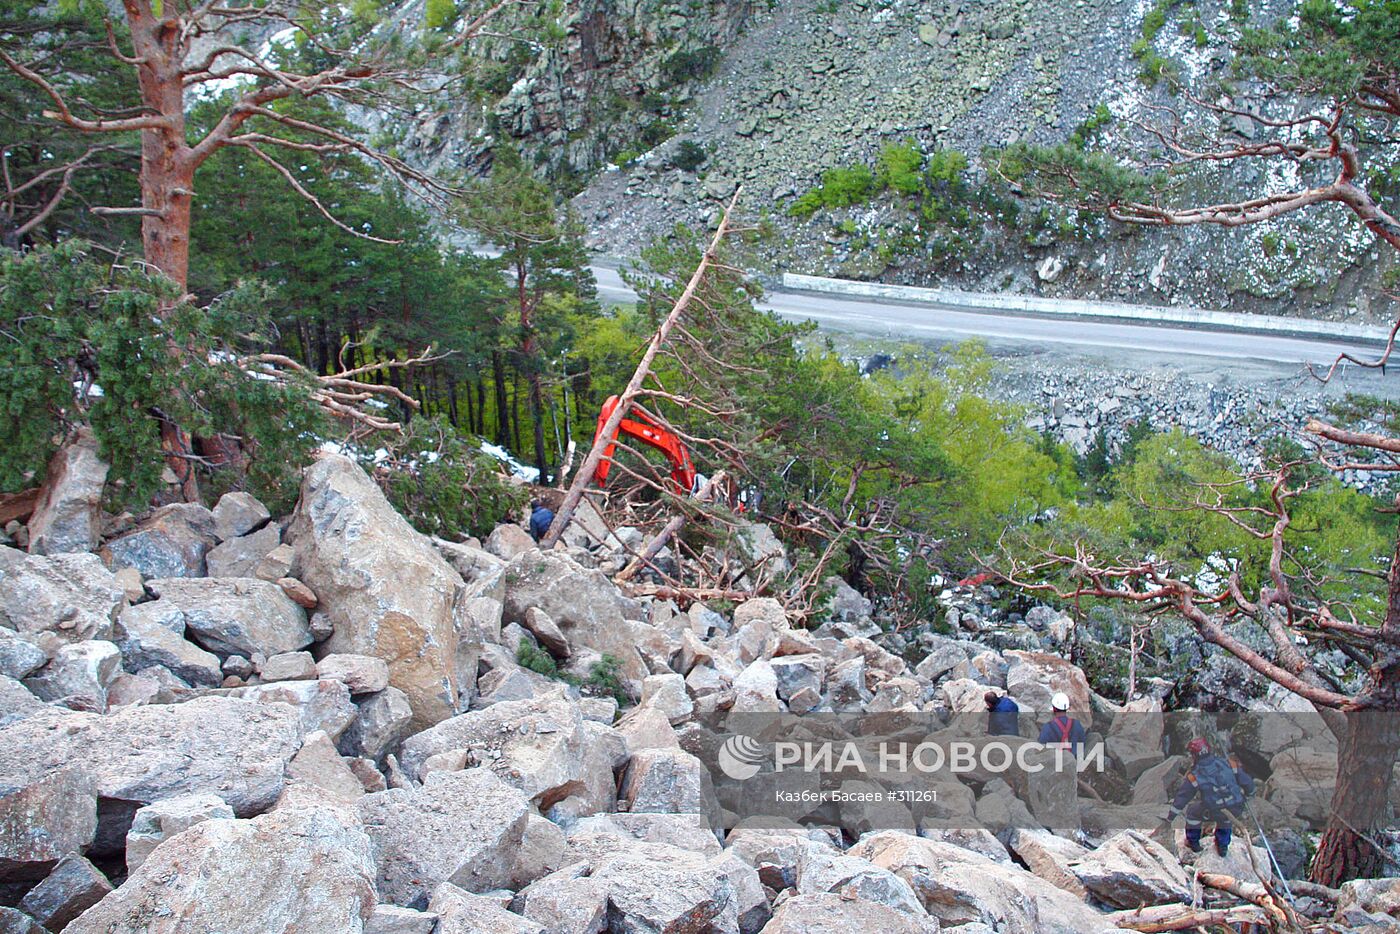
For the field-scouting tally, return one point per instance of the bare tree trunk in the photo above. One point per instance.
(595, 455)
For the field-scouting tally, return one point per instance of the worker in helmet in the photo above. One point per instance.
(1063, 730)
(1212, 791)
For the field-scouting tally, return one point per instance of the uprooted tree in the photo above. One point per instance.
(1312, 97)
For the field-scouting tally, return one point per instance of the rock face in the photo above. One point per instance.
(172, 542)
(68, 516)
(826, 913)
(73, 596)
(383, 586)
(158, 822)
(236, 616)
(459, 827)
(294, 869)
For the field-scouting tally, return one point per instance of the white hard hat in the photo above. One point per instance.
(1060, 701)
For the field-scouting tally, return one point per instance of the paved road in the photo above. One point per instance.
(933, 322)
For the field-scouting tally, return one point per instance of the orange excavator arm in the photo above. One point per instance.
(644, 429)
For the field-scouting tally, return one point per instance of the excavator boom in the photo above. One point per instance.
(641, 427)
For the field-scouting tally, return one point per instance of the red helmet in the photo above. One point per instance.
(1198, 747)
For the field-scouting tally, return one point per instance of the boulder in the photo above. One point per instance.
(761, 550)
(319, 769)
(150, 634)
(300, 594)
(237, 615)
(461, 912)
(668, 781)
(385, 719)
(14, 921)
(795, 672)
(666, 693)
(474, 564)
(958, 886)
(321, 705)
(943, 656)
(275, 565)
(566, 900)
(361, 674)
(391, 919)
(44, 819)
(159, 821)
(459, 827)
(73, 596)
(238, 513)
(539, 625)
(586, 606)
(74, 886)
(1378, 896)
(1135, 739)
(1049, 857)
(81, 669)
(825, 913)
(233, 748)
(855, 878)
(1131, 869)
(242, 556)
(307, 868)
(756, 689)
(542, 746)
(1032, 677)
(68, 516)
(289, 666)
(385, 589)
(654, 887)
(18, 656)
(172, 542)
(508, 541)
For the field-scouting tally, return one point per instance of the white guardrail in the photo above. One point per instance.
(1078, 308)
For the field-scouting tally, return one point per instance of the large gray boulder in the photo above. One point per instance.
(73, 596)
(240, 557)
(306, 868)
(539, 745)
(43, 820)
(958, 886)
(655, 887)
(232, 748)
(566, 900)
(68, 516)
(322, 705)
(153, 633)
(459, 827)
(238, 513)
(1131, 869)
(172, 542)
(385, 719)
(827, 913)
(235, 615)
(18, 656)
(80, 670)
(385, 589)
(586, 606)
(461, 912)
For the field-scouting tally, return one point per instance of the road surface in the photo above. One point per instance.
(926, 322)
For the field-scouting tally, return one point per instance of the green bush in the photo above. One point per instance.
(897, 168)
(840, 187)
(528, 655)
(442, 482)
(689, 156)
(693, 65)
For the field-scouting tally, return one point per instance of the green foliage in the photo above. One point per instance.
(1093, 180)
(438, 14)
(691, 65)
(897, 168)
(1092, 128)
(689, 156)
(532, 657)
(442, 483)
(605, 679)
(840, 187)
(127, 333)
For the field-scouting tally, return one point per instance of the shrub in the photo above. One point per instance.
(897, 168)
(840, 187)
(689, 156)
(693, 65)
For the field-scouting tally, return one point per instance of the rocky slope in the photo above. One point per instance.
(327, 722)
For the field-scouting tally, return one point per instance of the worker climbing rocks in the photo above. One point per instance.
(1001, 714)
(1213, 790)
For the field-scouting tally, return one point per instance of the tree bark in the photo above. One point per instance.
(498, 375)
(1360, 800)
